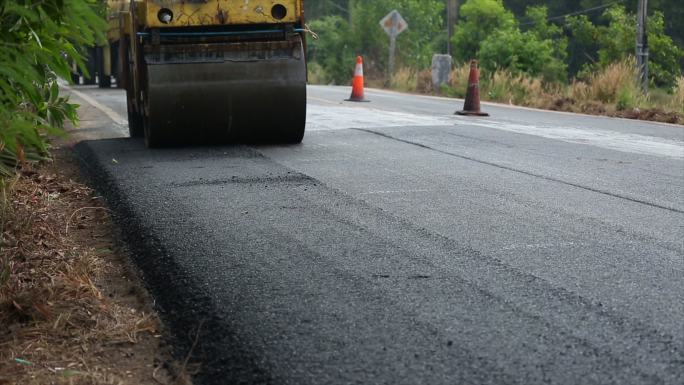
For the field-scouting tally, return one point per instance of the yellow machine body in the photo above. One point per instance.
(116, 12)
(212, 70)
(221, 12)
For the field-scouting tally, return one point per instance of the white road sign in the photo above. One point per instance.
(394, 24)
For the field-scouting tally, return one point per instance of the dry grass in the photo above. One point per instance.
(612, 91)
(678, 96)
(405, 79)
(615, 85)
(606, 85)
(424, 82)
(502, 86)
(4, 187)
(56, 325)
(459, 80)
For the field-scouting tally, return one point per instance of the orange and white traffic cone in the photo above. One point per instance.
(471, 106)
(357, 83)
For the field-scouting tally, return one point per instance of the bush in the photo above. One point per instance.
(490, 33)
(39, 40)
(479, 20)
(664, 54)
(521, 52)
(615, 84)
(616, 41)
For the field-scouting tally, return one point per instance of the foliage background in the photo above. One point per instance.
(555, 40)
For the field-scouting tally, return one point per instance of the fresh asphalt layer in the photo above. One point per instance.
(399, 244)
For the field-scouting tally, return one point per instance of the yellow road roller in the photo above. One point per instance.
(213, 70)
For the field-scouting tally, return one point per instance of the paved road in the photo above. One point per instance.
(400, 244)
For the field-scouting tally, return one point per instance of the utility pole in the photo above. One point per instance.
(642, 44)
(452, 19)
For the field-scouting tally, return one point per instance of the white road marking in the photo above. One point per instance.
(398, 94)
(341, 117)
(634, 143)
(120, 121)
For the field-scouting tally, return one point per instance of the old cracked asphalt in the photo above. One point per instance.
(402, 245)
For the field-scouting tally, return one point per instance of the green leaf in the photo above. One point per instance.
(23, 361)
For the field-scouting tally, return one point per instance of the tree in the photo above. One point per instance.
(332, 50)
(616, 42)
(318, 9)
(665, 55)
(490, 33)
(522, 52)
(479, 20)
(672, 10)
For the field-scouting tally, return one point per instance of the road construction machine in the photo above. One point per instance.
(208, 70)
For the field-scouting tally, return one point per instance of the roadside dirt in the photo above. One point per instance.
(73, 310)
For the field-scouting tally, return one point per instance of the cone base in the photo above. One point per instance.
(357, 100)
(472, 113)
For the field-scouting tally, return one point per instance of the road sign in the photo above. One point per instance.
(394, 24)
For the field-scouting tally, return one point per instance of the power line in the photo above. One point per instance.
(588, 10)
(339, 7)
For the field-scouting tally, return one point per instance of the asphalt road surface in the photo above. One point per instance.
(400, 244)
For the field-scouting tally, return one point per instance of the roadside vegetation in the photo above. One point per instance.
(580, 61)
(40, 41)
(70, 312)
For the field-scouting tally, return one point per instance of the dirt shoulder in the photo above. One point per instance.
(73, 309)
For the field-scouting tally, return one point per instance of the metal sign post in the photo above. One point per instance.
(642, 44)
(393, 24)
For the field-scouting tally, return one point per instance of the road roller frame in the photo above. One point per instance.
(213, 70)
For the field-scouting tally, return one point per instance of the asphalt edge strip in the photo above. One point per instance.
(186, 327)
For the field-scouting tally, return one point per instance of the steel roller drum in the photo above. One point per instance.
(248, 91)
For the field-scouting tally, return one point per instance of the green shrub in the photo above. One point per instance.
(616, 41)
(521, 52)
(490, 33)
(479, 20)
(39, 41)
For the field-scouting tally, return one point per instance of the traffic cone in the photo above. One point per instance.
(357, 83)
(471, 106)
